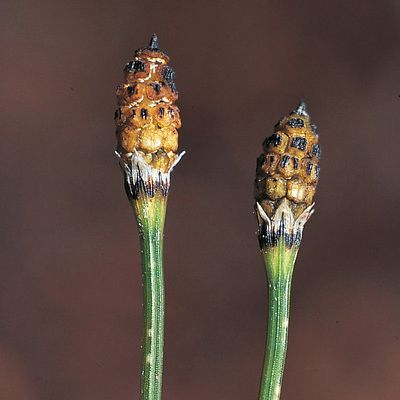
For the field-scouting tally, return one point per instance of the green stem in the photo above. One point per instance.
(150, 217)
(279, 262)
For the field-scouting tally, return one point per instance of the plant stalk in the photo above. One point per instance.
(287, 174)
(279, 263)
(150, 218)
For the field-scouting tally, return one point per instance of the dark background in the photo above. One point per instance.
(70, 296)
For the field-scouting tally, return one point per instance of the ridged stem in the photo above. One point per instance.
(279, 262)
(150, 217)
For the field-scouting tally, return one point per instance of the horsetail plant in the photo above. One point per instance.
(286, 178)
(147, 122)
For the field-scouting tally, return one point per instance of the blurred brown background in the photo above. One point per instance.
(70, 296)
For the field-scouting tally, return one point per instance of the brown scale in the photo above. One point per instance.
(288, 167)
(147, 119)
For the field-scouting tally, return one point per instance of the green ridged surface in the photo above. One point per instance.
(279, 262)
(150, 217)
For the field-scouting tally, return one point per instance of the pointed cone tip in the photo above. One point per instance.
(153, 42)
(301, 109)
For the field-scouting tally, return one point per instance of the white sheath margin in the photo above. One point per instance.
(283, 218)
(137, 170)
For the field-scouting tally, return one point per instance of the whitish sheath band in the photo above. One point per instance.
(142, 177)
(281, 224)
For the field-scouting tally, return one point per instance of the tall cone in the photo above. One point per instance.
(147, 120)
(287, 175)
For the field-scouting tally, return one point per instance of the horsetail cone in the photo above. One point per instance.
(286, 178)
(147, 121)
